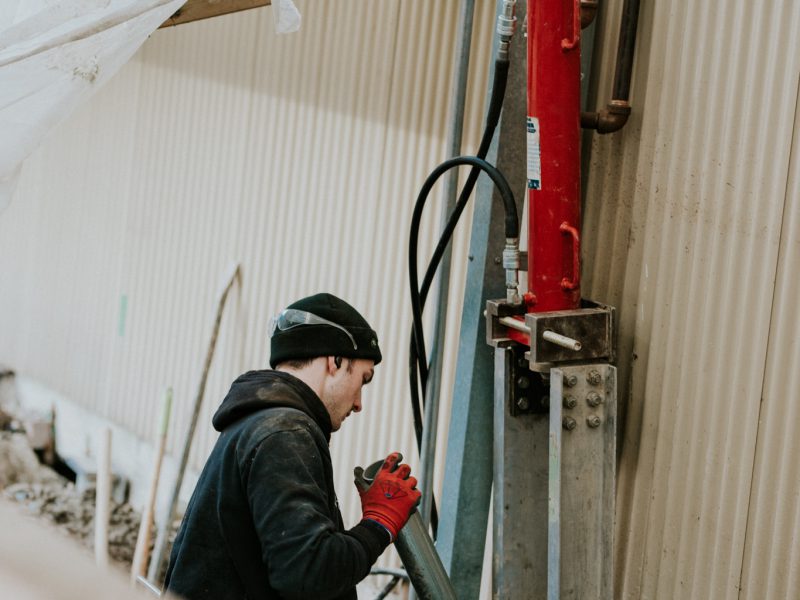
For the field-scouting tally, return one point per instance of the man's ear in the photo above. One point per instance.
(333, 364)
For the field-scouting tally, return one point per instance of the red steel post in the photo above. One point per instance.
(553, 124)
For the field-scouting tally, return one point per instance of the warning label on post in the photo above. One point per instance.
(534, 174)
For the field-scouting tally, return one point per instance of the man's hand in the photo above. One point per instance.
(392, 496)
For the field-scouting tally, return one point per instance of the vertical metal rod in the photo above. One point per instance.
(160, 549)
(102, 498)
(454, 137)
(467, 486)
(415, 547)
(554, 487)
(422, 562)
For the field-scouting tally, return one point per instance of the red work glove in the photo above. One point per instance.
(392, 496)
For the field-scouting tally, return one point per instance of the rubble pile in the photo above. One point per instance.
(47, 495)
(73, 511)
(18, 463)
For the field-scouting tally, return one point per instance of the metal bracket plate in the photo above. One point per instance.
(581, 481)
(592, 327)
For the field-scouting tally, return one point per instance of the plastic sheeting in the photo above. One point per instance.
(54, 54)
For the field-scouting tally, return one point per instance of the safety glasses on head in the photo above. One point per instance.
(292, 317)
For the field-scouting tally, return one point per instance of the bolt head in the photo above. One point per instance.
(593, 421)
(570, 402)
(569, 423)
(594, 399)
(523, 382)
(522, 403)
(594, 377)
(570, 380)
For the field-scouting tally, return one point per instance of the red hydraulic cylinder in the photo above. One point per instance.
(553, 169)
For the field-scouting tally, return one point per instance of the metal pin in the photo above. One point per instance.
(561, 340)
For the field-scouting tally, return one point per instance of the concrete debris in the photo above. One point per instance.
(73, 511)
(6, 420)
(18, 463)
(47, 495)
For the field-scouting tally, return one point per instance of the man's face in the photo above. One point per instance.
(342, 394)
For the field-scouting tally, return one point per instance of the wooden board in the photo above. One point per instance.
(194, 10)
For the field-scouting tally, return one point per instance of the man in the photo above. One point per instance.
(264, 521)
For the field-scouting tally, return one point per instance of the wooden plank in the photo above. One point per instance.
(194, 10)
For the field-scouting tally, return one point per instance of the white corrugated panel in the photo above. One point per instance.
(771, 567)
(682, 233)
(298, 156)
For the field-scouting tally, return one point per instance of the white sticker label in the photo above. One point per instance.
(534, 155)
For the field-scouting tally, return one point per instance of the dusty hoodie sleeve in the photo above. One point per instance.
(305, 554)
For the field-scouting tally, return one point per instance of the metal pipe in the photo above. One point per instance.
(401, 573)
(615, 115)
(455, 131)
(588, 12)
(422, 562)
(416, 550)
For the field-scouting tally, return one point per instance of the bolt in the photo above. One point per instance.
(522, 403)
(594, 377)
(593, 421)
(569, 423)
(570, 380)
(570, 402)
(523, 382)
(594, 399)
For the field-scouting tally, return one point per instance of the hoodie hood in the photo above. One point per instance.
(257, 390)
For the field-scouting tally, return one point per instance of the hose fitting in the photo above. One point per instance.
(506, 25)
(512, 264)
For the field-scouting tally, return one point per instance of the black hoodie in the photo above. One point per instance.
(263, 521)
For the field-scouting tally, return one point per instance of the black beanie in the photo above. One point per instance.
(311, 341)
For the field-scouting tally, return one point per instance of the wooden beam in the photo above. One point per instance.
(194, 10)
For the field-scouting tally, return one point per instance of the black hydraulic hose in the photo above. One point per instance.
(418, 362)
(418, 341)
(511, 231)
(499, 82)
(492, 118)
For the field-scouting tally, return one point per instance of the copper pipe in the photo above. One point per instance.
(588, 12)
(610, 119)
(615, 115)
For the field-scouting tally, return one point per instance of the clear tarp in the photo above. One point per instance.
(54, 54)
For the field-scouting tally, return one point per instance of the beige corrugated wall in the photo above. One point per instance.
(299, 156)
(691, 231)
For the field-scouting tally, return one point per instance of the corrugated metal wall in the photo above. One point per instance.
(299, 156)
(690, 225)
